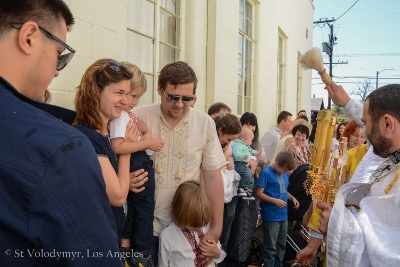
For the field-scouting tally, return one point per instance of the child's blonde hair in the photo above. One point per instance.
(138, 79)
(191, 206)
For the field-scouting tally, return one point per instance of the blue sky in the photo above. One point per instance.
(368, 38)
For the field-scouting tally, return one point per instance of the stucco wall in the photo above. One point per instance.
(99, 32)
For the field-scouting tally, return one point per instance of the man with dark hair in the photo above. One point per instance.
(367, 214)
(54, 208)
(271, 138)
(218, 108)
(191, 146)
(302, 113)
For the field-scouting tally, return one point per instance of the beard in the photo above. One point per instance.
(381, 145)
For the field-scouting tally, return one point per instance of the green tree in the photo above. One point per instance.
(341, 114)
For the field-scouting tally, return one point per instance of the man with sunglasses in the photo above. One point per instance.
(54, 207)
(191, 144)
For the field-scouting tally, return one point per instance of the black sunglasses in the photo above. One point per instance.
(63, 60)
(175, 98)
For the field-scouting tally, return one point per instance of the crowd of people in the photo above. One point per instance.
(112, 184)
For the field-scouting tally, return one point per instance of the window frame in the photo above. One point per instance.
(156, 40)
(246, 83)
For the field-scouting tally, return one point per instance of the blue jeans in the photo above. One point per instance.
(246, 179)
(231, 231)
(274, 243)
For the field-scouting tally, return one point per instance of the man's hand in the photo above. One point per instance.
(209, 248)
(206, 260)
(138, 178)
(326, 210)
(338, 95)
(253, 165)
(306, 255)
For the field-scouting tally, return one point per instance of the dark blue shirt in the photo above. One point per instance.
(54, 210)
(274, 186)
(102, 147)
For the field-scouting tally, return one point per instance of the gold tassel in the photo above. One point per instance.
(179, 175)
(158, 168)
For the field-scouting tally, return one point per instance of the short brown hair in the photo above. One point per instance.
(384, 100)
(177, 73)
(87, 99)
(138, 79)
(227, 123)
(216, 107)
(285, 159)
(283, 116)
(191, 205)
(46, 13)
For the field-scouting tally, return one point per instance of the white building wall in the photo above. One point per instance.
(99, 32)
(222, 52)
(210, 46)
(195, 46)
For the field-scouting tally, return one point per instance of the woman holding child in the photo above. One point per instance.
(101, 96)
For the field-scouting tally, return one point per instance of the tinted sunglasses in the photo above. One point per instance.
(64, 59)
(116, 66)
(175, 98)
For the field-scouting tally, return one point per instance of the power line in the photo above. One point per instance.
(369, 55)
(347, 10)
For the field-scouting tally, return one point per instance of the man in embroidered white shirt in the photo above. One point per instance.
(271, 138)
(191, 144)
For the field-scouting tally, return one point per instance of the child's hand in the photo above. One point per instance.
(245, 157)
(280, 203)
(229, 165)
(156, 144)
(296, 204)
(209, 248)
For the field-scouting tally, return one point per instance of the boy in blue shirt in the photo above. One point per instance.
(271, 189)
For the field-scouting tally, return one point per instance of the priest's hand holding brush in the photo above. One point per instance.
(312, 59)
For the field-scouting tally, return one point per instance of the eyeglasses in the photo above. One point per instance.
(175, 98)
(63, 60)
(116, 66)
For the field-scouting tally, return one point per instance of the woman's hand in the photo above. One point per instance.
(138, 178)
(131, 132)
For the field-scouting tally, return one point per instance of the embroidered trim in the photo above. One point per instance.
(395, 157)
(192, 241)
(171, 160)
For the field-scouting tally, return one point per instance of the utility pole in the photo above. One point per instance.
(330, 46)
